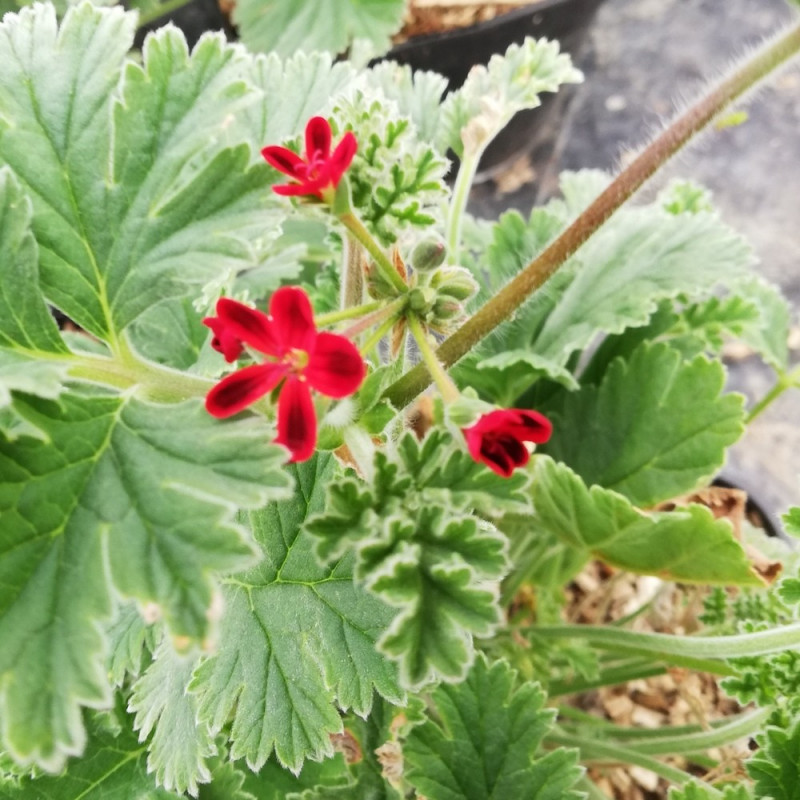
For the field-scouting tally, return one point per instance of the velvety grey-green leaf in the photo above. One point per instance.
(112, 768)
(25, 322)
(297, 639)
(286, 26)
(483, 743)
(655, 427)
(136, 198)
(686, 544)
(180, 747)
(296, 88)
(629, 266)
(124, 490)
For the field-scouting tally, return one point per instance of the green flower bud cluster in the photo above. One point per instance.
(439, 292)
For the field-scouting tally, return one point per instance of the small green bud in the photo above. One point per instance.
(455, 282)
(377, 285)
(428, 254)
(446, 309)
(421, 299)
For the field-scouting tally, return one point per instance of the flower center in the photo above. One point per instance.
(296, 360)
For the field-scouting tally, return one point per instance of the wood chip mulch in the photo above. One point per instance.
(428, 16)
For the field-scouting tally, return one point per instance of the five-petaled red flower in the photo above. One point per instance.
(297, 355)
(319, 173)
(498, 438)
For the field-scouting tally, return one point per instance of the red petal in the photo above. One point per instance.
(243, 387)
(223, 340)
(533, 426)
(335, 367)
(293, 319)
(283, 160)
(249, 325)
(297, 421)
(294, 189)
(342, 157)
(318, 138)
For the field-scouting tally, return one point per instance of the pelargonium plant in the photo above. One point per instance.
(293, 495)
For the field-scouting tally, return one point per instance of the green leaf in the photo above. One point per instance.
(113, 767)
(687, 544)
(484, 744)
(696, 790)
(126, 498)
(131, 642)
(181, 746)
(775, 766)
(286, 26)
(628, 267)
(25, 323)
(655, 427)
(396, 178)
(491, 95)
(418, 95)
(440, 570)
(273, 782)
(616, 281)
(419, 550)
(136, 198)
(791, 519)
(31, 376)
(295, 639)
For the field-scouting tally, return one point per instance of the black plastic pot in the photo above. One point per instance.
(454, 53)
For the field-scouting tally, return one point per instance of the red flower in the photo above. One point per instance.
(497, 438)
(320, 171)
(299, 356)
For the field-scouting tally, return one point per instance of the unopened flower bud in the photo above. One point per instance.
(446, 309)
(428, 254)
(455, 282)
(421, 299)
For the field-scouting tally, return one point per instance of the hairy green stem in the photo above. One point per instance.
(670, 647)
(158, 382)
(362, 235)
(759, 65)
(444, 382)
(332, 317)
(640, 668)
(593, 750)
(458, 203)
(379, 333)
(388, 311)
(787, 380)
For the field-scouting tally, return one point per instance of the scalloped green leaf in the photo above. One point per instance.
(686, 544)
(124, 497)
(180, 747)
(483, 743)
(297, 640)
(286, 26)
(136, 196)
(655, 427)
